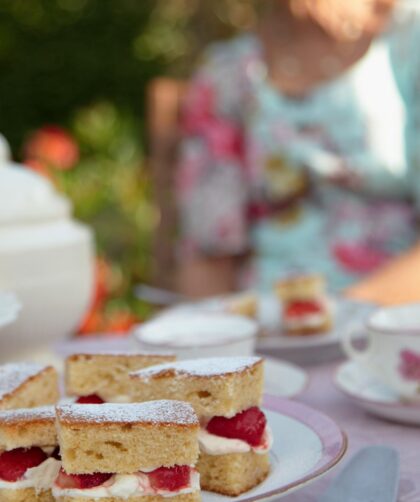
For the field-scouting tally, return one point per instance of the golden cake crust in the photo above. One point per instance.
(26, 495)
(311, 330)
(184, 497)
(233, 473)
(214, 386)
(245, 305)
(106, 374)
(23, 428)
(124, 439)
(300, 287)
(27, 385)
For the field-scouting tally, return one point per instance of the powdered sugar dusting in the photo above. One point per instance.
(120, 353)
(154, 412)
(13, 375)
(27, 415)
(210, 367)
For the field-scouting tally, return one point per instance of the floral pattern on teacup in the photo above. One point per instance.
(410, 365)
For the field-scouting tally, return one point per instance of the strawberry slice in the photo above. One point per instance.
(14, 463)
(249, 426)
(303, 307)
(170, 478)
(81, 481)
(90, 399)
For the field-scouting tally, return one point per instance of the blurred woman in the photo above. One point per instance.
(300, 150)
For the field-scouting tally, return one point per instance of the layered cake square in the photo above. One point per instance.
(226, 393)
(98, 378)
(306, 309)
(27, 385)
(29, 459)
(134, 452)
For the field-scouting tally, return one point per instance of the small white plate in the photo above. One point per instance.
(307, 444)
(301, 349)
(284, 379)
(9, 308)
(373, 396)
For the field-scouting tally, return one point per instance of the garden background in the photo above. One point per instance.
(74, 75)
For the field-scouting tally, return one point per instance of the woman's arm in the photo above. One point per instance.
(211, 182)
(202, 276)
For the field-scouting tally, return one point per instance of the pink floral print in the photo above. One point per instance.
(410, 365)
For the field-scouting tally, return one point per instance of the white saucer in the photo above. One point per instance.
(373, 396)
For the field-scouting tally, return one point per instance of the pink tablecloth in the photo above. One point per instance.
(362, 429)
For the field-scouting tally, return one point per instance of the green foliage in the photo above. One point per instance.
(110, 189)
(58, 55)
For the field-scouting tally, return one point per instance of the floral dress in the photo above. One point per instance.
(257, 168)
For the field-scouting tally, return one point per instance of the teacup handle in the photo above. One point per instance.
(359, 356)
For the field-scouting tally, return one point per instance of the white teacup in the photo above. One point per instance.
(393, 352)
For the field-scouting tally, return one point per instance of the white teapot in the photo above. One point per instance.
(46, 259)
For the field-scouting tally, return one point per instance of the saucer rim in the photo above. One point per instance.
(357, 397)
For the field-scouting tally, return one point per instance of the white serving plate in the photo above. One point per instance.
(284, 379)
(307, 445)
(301, 349)
(373, 396)
(9, 308)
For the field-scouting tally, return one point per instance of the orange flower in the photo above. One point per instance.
(120, 323)
(91, 324)
(52, 146)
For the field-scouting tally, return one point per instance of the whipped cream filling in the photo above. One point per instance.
(125, 486)
(217, 445)
(40, 477)
(305, 321)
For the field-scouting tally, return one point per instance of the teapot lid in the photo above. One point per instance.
(27, 197)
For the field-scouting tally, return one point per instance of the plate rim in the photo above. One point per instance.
(297, 411)
(361, 399)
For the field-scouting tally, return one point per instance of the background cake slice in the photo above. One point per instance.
(226, 393)
(127, 451)
(29, 460)
(27, 385)
(104, 377)
(305, 306)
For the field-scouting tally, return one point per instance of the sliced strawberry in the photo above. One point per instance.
(303, 307)
(170, 478)
(65, 480)
(14, 463)
(92, 480)
(81, 481)
(90, 399)
(249, 426)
